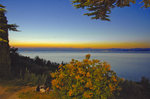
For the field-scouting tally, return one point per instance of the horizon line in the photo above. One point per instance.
(76, 48)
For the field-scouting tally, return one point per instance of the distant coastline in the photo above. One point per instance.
(87, 49)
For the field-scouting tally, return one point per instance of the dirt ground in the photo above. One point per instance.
(12, 92)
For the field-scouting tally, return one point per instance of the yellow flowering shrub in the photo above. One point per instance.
(87, 79)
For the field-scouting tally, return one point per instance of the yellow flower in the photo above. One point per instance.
(71, 74)
(80, 71)
(96, 61)
(88, 56)
(114, 79)
(61, 75)
(77, 77)
(73, 86)
(90, 62)
(88, 74)
(107, 67)
(60, 66)
(111, 88)
(88, 94)
(85, 60)
(91, 87)
(72, 62)
(70, 66)
(82, 81)
(57, 86)
(88, 84)
(79, 63)
(52, 74)
(70, 92)
(54, 82)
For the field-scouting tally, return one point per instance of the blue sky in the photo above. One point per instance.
(57, 21)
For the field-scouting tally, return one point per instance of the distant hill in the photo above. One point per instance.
(87, 49)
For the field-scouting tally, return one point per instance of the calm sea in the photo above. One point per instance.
(131, 66)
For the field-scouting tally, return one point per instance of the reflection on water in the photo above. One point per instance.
(130, 66)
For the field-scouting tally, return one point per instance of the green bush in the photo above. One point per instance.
(33, 79)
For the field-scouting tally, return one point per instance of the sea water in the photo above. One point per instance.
(131, 66)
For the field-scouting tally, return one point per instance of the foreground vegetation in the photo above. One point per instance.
(85, 79)
(30, 71)
(81, 80)
(130, 90)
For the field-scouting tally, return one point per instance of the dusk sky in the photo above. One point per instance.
(56, 23)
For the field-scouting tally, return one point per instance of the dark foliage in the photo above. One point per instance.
(100, 9)
(135, 90)
(19, 64)
(5, 62)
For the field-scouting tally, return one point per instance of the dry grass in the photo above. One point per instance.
(37, 95)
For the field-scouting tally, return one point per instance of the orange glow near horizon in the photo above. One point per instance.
(81, 45)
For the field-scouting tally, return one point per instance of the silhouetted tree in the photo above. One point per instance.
(14, 51)
(5, 61)
(38, 66)
(100, 9)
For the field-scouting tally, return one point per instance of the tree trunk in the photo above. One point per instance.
(5, 61)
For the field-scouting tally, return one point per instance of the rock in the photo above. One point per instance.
(42, 90)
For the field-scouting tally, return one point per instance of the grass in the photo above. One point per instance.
(37, 95)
